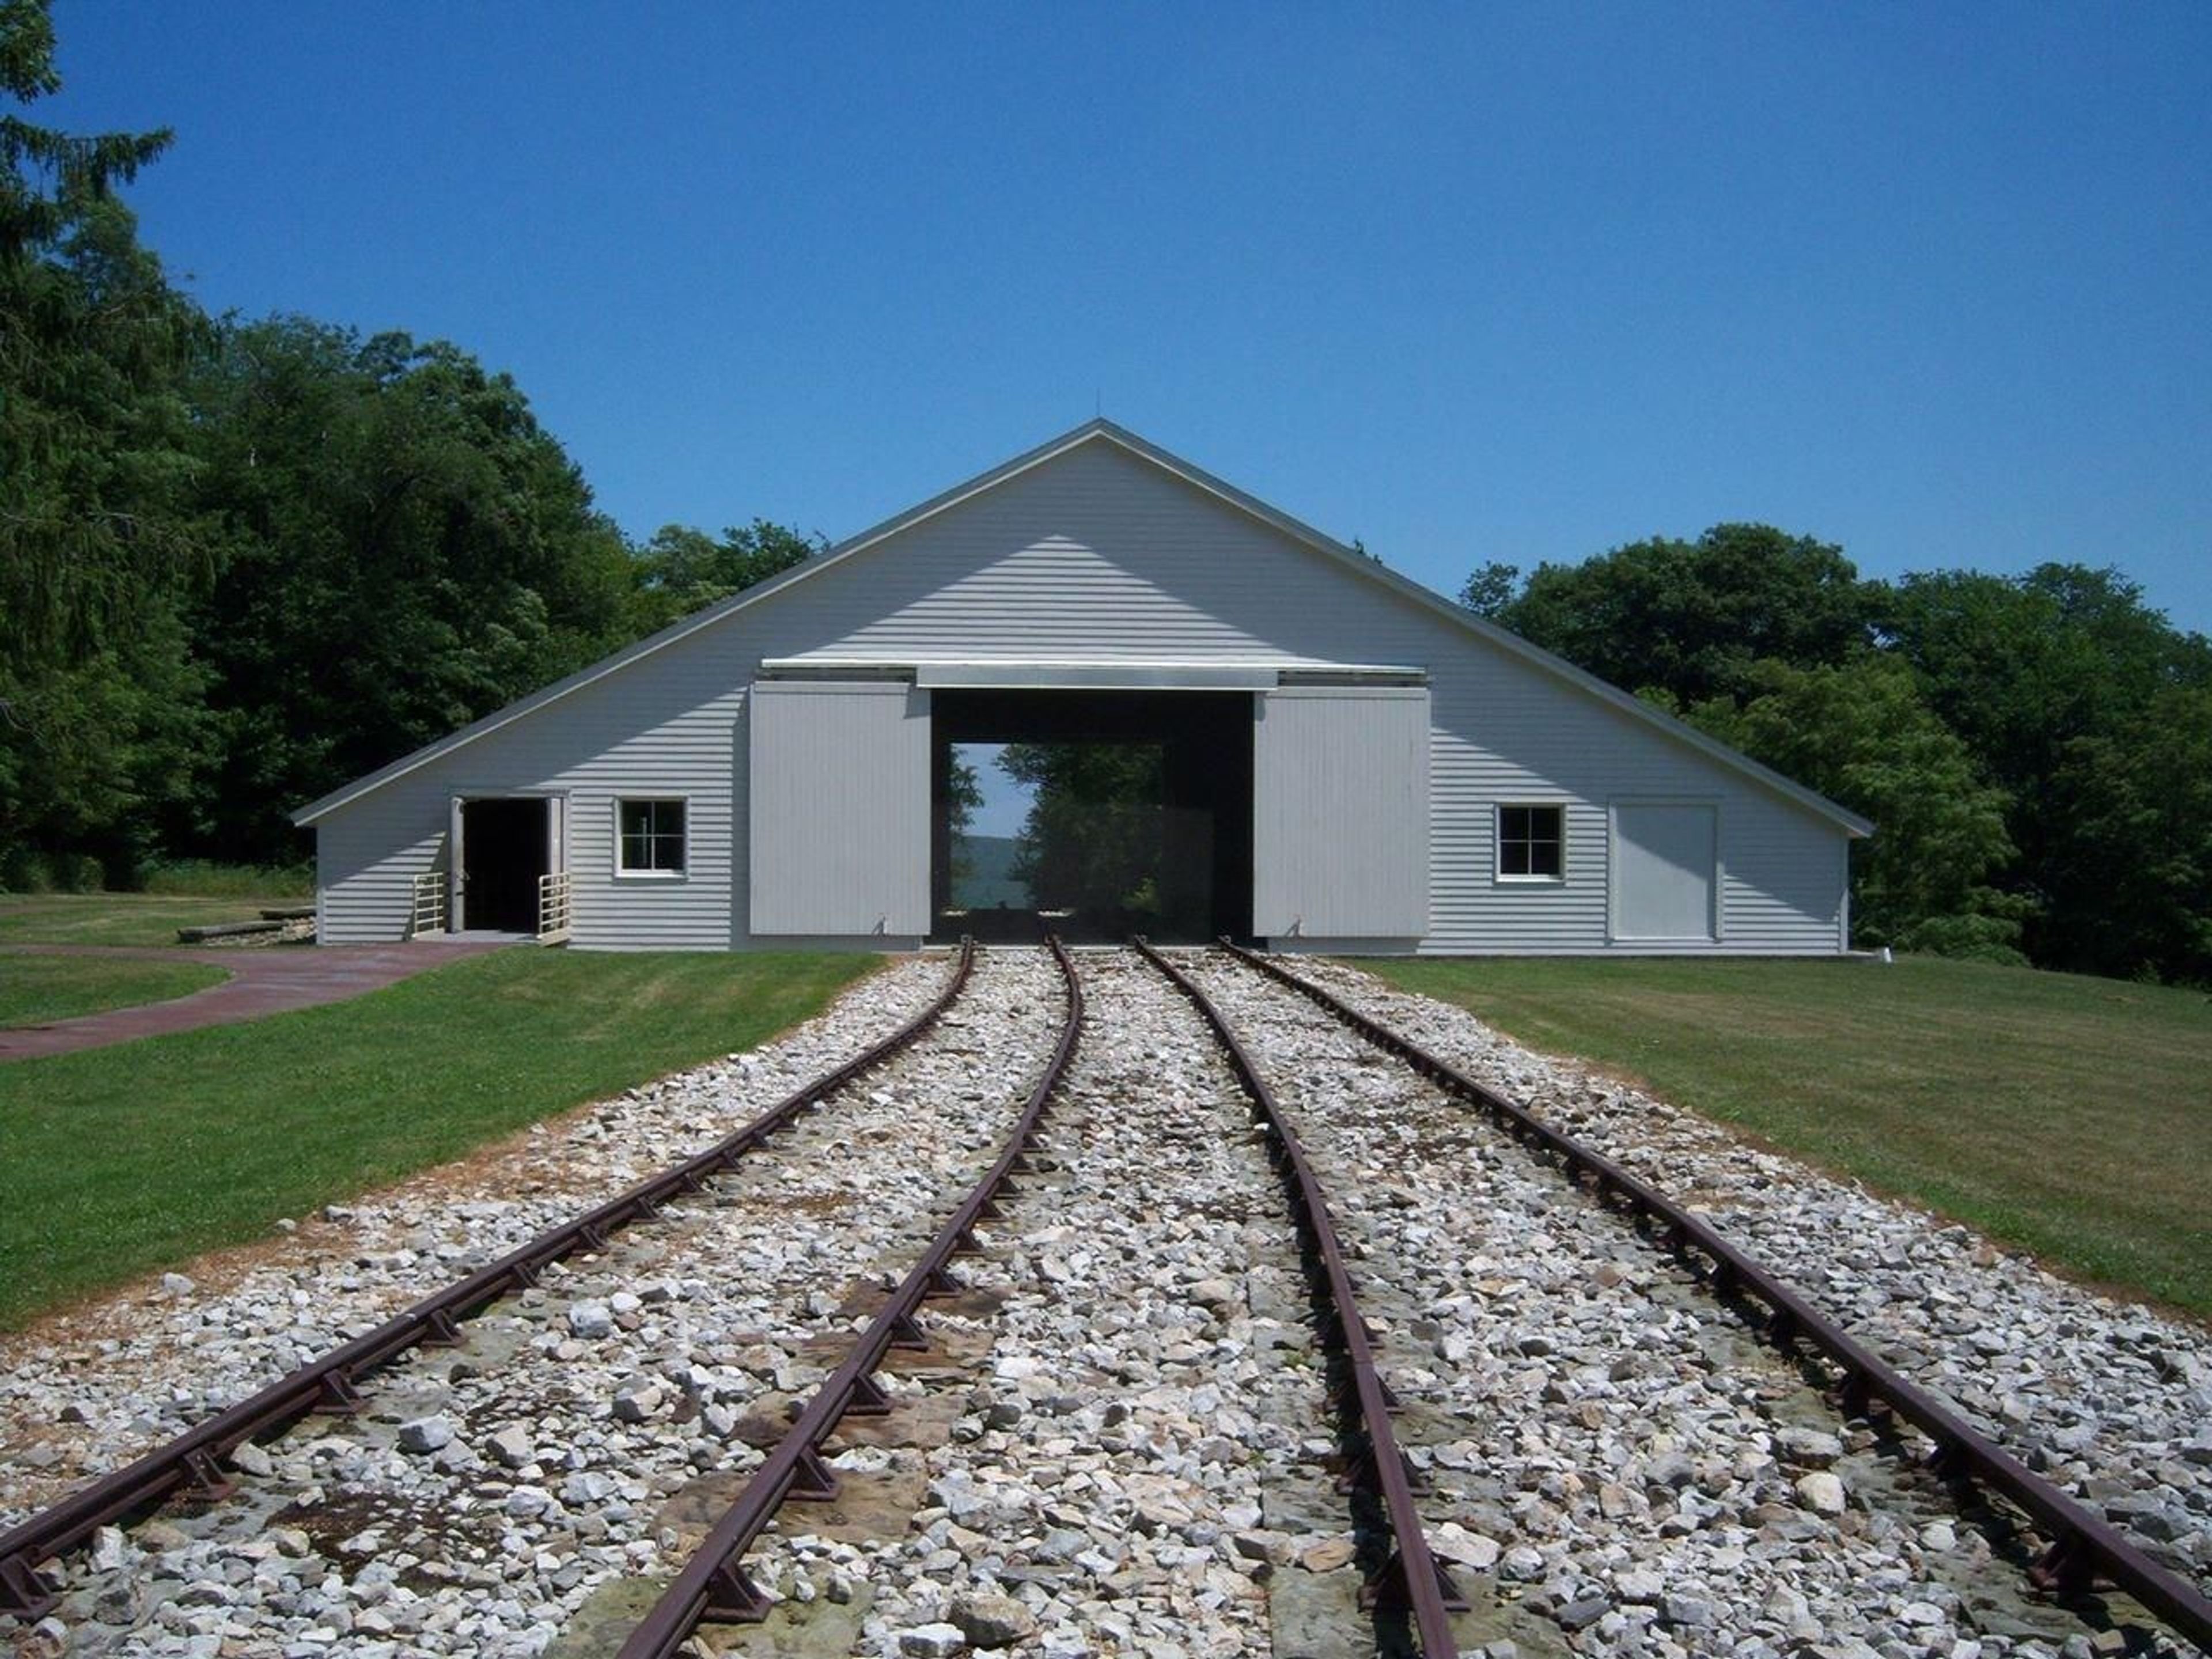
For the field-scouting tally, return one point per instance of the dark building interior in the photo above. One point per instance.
(1195, 840)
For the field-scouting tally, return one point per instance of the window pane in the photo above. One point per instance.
(1544, 858)
(652, 835)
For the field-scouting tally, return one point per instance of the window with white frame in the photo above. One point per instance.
(1532, 843)
(649, 837)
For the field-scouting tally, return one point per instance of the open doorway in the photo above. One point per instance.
(989, 805)
(506, 846)
(1093, 815)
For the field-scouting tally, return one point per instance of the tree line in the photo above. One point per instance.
(2035, 750)
(243, 561)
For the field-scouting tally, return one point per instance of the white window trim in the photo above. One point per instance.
(1498, 878)
(621, 872)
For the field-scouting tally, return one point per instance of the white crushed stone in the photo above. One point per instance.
(82, 1394)
(1134, 1445)
(1134, 1424)
(2110, 1401)
(408, 1519)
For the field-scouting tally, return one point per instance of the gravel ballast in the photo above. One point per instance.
(487, 1491)
(1119, 1442)
(2101, 1397)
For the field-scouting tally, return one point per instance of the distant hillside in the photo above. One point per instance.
(989, 879)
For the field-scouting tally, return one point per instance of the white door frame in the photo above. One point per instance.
(556, 842)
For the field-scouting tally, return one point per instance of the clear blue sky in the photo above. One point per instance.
(1466, 283)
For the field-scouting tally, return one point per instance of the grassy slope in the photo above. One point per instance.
(117, 918)
(36, 989)
(121, 1160)
(2068, 1115)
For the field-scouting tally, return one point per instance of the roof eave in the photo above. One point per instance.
(684, 627)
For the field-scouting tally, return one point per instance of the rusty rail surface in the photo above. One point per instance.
(712, 1587)
(1411, 1573)
(192, 1463)
(2082, 1545)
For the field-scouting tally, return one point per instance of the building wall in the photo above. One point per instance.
(1096, 553)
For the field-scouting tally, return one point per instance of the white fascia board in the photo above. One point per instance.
(684, 628)
(1460, 616)
(576, 682)
(1101, 674)
(1093, 676)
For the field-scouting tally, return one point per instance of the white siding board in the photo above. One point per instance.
(365, 864)
(1096, 555)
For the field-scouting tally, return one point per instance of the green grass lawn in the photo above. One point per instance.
(35, 989)
(2058, 1113)
(2066, 1115)
(119, 918)
(118, 1161)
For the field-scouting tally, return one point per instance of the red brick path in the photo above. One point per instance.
(268, 980)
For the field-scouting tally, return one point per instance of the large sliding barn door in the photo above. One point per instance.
(1340, 813)
(839, 796)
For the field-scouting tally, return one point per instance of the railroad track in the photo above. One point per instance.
(1168, 1274)
(1407, 1582)
(2076, 1550)
(198, 1466)
(713, 1584)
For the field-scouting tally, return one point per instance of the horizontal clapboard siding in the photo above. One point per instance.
(1096, 553)
(367, 858)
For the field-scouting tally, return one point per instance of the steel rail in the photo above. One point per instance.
(712, 1586)
(2081, 1545)
(193, 1461)
(1412, 1570)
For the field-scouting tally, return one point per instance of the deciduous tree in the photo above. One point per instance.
(1861, 734)
(682, 569)
(406, 550)
(1690, 617)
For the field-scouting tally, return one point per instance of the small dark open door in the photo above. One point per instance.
(505, 849)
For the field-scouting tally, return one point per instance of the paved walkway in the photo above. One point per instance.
(268, 980)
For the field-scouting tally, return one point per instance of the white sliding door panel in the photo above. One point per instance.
(839, 808)
(1340, 813)
(1666, 871)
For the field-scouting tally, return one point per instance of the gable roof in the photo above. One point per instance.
(1099, 431)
